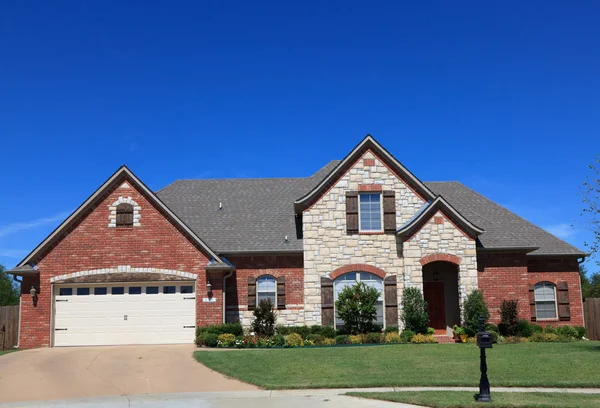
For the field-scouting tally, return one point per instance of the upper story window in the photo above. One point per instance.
(545, 301)
(370, 213)
(266, 288)
(124, 215)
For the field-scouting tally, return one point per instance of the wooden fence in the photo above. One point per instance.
(9, 327)
(591, 311)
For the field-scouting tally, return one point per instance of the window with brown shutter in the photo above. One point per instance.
(391, 300)
(352, 212)
(389, 211)
(281, 292)
(124, 215)
(251, 293)
(564, 307)
(327, 312)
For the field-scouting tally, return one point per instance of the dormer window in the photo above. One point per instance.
(369, 211)
(125, 215)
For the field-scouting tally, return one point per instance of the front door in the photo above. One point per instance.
(433, 292)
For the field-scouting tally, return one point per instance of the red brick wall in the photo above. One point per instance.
(289, 266)
(507, 276)
(91, 244)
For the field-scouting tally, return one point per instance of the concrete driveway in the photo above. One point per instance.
(83, 372)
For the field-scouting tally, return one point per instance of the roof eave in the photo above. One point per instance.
(507, 249)
(26, 270)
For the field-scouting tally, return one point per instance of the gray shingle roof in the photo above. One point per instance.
(257, 214)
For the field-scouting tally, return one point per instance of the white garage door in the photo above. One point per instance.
(133, 313)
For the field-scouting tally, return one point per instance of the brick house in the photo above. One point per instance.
(133, 266)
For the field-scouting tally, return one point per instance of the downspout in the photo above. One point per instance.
(20, 302)
(581, 291)
(224, 292)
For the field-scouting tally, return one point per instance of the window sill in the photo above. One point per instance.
(371, 233)
(547, 320)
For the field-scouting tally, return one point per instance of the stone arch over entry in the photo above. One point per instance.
(440, 257)
(357, 268)
(441, 292)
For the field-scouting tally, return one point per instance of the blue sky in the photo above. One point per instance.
(501, 96)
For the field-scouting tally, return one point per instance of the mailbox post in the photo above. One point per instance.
(484, 340)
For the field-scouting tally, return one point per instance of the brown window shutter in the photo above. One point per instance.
(251, 293)
(389, 211)
(532, 303)
(391, 300)
(281, 292)
(327, 315)
(124, 214)
(352, 212)
(564, 308)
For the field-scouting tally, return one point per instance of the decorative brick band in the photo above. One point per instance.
(370, 187)
(357, 268)
(440, 257)
(122, 269)
(112, 216)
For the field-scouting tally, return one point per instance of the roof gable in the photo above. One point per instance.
(122, 175)
(368, 143)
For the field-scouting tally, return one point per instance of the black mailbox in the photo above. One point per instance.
(484, 340)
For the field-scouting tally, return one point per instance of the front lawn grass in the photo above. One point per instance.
(6, 351)
(456, 399)
(510, 365)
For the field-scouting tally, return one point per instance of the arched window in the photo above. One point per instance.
(351, 279)
(124, 215)
(266, 288)
(545, 301)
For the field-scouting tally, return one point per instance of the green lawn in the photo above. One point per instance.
(456, 399)
(6, 351)
(527, 364)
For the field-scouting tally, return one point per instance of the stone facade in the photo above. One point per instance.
(327, 246)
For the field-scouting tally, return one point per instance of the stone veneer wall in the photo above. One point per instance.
(327, 246)
(440, 236)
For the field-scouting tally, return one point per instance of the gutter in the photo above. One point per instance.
(228, 275)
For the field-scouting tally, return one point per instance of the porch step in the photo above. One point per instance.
(442, 338)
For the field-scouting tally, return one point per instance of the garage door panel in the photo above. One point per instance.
(120, 317)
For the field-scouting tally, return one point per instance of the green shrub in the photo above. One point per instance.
(302, 331)
(294, 340)
(355, 339)
(474, 307)
(226, 340)
(357, 306)
(264, 318)
(328, 332)
(550, 329)
(545, 337)
(315, 339)
(494, 335)
(210, 339)
(392, 337)
(414, 311)
(231, 328)
(524, 328)
(567, 331)
(372, 338)
(199, 340)
(422, 338)
(581, 332)
(492, 327)
(513, 339)
(283, 330)
(328, 341)
(277, 340)
(430, 331)
(536, 328)
(342, 339)
(315, 329)
(406, 335)
(392, 329)
(459, 330)
(509, 317)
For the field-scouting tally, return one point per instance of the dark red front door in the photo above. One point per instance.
(433, 292)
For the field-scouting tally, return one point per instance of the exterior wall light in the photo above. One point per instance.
(208, 287)
(33, 293)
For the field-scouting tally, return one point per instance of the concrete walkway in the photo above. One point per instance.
(83, 372)
(316, 398)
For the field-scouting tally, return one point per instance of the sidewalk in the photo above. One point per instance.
(317, 398)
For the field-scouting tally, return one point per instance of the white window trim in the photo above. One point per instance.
(257, 291)
(546, 301)
(380, 211)
(358, 281)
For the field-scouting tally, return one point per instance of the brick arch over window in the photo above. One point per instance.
(123, 269)
(112, 216)
(440, 257)
(357, 268)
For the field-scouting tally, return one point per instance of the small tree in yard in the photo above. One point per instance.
(264, 319)
(414, 311)
(474, 307)
(9, 292)
(509, 318)
(356, 306)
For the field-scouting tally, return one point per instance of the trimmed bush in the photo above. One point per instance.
(315, 339)
(293, 340)
(393, 337)
(509, 317)
(407, 335)
(392, 329)
(536, 328)
(226, 340)
(545, 338)
(492, 327)
(474, 307)
(277, 340)
(210, 339)
(199, 340)
(494, 335)
(264, 318)
(231, 328)
(357, 306)
(524, 328)
(568, 332)
(550, 329)
(414, 311)
(342, 339)
(328, 332)
(422, 338)
(581, 332)
(430, 331)
(329, 341)
(372, 338)
(355, 339)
